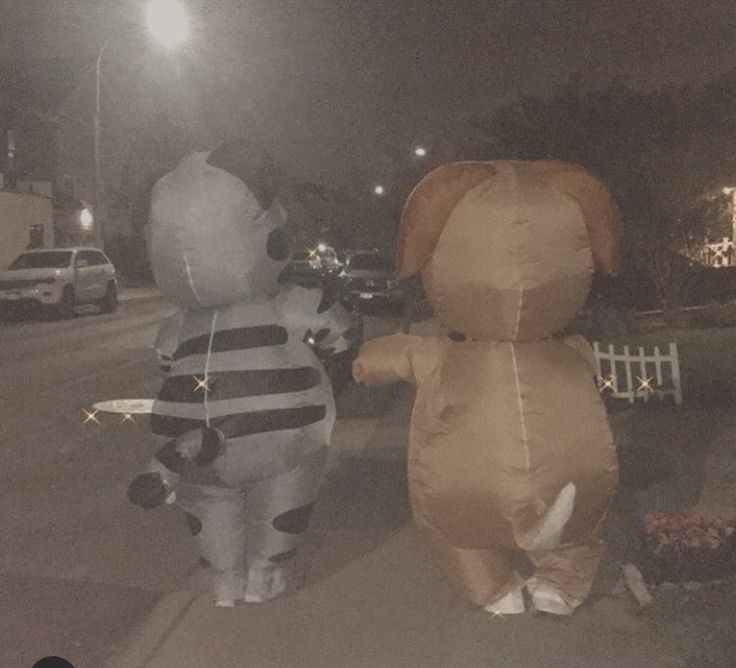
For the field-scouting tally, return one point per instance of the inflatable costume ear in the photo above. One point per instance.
(433, 199)
(427, 209)
(252, 165)
(601, 214)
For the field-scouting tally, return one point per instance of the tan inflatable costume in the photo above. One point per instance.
(510, 446)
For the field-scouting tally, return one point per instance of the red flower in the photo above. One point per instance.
(679, 531)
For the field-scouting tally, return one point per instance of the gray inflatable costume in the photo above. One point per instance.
(244, 417)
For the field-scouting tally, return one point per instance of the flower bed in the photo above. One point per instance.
(679, 548)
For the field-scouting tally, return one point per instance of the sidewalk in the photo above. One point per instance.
(128, 294)
(373, 596)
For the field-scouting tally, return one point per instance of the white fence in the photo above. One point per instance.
(638, 375)
(719, 254)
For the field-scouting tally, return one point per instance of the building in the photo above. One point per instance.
(26, 221)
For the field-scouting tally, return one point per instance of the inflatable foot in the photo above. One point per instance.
(228, 589)
(510, 604)
(264, 584)
(546, 598)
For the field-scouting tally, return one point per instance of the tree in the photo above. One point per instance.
(340, 217)
(659, 152)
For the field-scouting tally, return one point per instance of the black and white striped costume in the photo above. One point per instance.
(242, 368)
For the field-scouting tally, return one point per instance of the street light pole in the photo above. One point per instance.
(168, 23)
(97, 205)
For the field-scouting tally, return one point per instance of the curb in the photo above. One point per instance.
(126, 296)
(141, 645)
(146, 639)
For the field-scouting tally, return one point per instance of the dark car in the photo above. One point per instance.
(304, 269)
(368, 281)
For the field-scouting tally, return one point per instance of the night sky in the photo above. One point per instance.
(340, 88)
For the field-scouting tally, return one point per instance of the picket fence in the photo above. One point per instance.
(719, 254)
(638, 375)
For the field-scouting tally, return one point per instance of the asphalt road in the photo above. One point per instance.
(79, 565)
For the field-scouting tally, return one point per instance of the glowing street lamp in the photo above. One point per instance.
(420, 151)
(321, 247)
(167, 22)
(86, 219)
(379, 190)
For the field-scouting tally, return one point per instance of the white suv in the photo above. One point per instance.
(60, 278)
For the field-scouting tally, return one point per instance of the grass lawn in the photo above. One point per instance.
(707, 358)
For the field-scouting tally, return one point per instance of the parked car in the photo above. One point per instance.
(368, 277)
(309, 268)
(59, 279)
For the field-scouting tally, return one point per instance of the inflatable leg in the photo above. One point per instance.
(563, 576)
(278, 511)
(216, 518)
(483, 575)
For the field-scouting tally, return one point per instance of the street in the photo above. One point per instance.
(78, 563)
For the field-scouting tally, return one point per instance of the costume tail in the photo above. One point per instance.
(548, 532)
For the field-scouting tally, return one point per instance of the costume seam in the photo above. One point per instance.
(524, 438)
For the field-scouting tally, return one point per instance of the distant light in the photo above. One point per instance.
(420, 151)
(379, 190)
(321, 247)
(168, 22)
(86, 219)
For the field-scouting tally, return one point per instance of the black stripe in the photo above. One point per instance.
(241, 338)
(293, 521)
(239, 384)
(242, 424)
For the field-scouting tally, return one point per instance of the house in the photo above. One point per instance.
(26, 221)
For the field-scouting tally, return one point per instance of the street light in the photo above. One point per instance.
(420, 151)
(86, 219)
(379, 190)
(168, 23)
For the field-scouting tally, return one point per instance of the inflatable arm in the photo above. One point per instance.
(323, 323)
(581, 345)
(390, 359)
(166, 343)
(201, 446)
